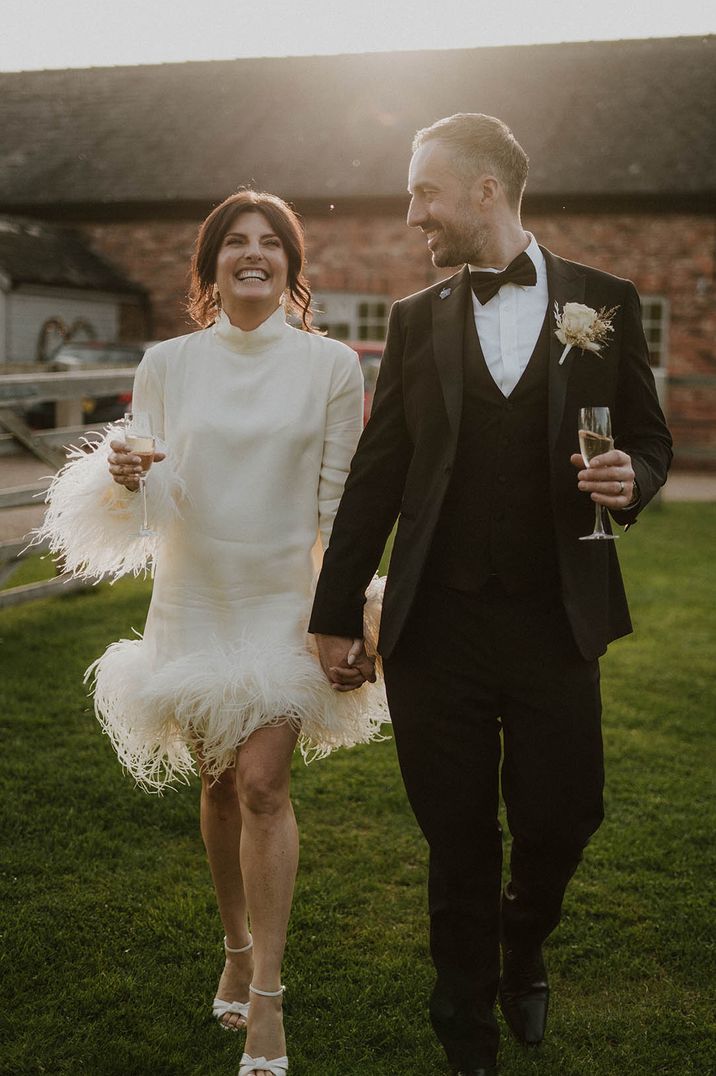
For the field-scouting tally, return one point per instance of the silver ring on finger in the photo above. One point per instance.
(621, 488)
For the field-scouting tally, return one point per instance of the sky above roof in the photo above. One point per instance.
(85, 33)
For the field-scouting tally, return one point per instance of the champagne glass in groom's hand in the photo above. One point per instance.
(595, 438)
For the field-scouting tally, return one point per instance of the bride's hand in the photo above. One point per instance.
(126, 467)
(344, 661)
(359, 659)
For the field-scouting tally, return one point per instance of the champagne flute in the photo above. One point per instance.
(595, 437)
(140, 440)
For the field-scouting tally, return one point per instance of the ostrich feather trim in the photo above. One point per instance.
(217, 698)
(92, 523)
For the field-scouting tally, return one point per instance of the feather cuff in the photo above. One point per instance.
(92, 523)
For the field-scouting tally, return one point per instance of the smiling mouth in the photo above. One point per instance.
(252, 274)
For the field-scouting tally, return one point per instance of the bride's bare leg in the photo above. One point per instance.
(220, 820)
(269, 859)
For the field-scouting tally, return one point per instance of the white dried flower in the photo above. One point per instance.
(581, 326)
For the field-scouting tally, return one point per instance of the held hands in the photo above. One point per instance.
(345, 662)
(126, 467)
(609, 479)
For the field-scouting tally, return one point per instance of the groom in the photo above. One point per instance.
(495, 613)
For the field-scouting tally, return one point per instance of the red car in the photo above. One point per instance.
(370, 353)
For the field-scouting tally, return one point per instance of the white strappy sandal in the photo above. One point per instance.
(251, 1065)
(221, 1008)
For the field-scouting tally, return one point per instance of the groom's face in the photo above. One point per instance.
(444, 207)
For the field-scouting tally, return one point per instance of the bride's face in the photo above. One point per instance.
(251, 267)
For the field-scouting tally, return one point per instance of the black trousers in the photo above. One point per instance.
(488, 688)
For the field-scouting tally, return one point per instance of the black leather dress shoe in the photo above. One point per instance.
(524, 994)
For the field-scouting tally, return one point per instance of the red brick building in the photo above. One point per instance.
(622, 175)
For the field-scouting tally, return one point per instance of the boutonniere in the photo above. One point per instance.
(581, 326)
(445, 292)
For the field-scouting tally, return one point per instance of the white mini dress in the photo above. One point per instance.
(259, 429)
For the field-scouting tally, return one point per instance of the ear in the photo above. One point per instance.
(488, 190)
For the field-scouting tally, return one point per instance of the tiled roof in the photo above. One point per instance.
(597, 118)
(35, 253)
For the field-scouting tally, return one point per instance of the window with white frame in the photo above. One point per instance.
(655, 319)
(351, 316)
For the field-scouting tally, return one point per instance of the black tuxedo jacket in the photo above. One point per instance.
(402, 466)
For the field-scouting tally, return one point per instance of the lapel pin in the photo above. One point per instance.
(445, 292)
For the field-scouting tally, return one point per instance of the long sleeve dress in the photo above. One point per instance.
(259, 428)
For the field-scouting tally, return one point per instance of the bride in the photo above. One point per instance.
(257, 421)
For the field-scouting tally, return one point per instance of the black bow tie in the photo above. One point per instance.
(520, 271)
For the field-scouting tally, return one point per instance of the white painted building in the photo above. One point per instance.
(53, 287)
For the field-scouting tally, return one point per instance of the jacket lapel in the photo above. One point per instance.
(565, 283)
(448, 339)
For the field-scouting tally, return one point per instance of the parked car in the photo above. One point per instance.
(369, 354)
(89, 355)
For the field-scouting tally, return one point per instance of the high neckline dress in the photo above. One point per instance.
(259, 429)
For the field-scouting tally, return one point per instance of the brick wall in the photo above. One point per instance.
(156, 254)
(672, 256)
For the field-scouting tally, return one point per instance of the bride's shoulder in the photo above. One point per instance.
(331, 351)
(163, 350)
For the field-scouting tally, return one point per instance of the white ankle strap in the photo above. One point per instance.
(243, 949)
(267, 993)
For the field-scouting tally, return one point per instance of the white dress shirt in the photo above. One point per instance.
(509, 324)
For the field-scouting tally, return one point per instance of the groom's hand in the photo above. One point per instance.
(344, 662)
(609, 479)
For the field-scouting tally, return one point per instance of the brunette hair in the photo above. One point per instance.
(202, 304)
(480, 143)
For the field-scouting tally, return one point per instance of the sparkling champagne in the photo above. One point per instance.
(594, 444)
(142, 447)
(139, 438)
(594, 428)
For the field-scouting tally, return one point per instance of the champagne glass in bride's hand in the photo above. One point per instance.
(595, 438)
(140, 440)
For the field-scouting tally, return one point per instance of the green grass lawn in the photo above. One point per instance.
(30, 570)
(111, 945)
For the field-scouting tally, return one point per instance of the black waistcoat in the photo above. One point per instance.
(496, 519)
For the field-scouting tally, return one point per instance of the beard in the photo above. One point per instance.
(460, 240)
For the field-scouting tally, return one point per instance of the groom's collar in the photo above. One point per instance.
(533, 252)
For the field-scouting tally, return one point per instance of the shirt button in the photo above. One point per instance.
(501, 478)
